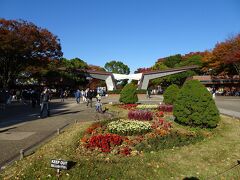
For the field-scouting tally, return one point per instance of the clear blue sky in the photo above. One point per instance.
(136, 32)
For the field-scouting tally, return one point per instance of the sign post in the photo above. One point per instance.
(59, 164)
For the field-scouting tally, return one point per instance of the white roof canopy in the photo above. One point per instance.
(137, 76)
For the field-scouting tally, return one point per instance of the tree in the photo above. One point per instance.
(171, 93)
(194, 106)
(176, 61)
(74, 64)
(159, 66)
(225, 54)
(191, 60)
(22, 44)
(129, 94)
(73, 71)
(171, 61)
(117, 67)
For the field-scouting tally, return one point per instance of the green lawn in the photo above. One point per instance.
(203, 160)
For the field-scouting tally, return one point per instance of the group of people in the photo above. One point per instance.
(226, 91)
(41, 98)
(87, 97)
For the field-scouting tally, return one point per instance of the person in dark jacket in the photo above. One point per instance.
(44, 102)
(89, 97)
(62, 95)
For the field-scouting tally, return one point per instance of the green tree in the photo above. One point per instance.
(191, 60)
(159, 66)
(117, 67)
(73, 71)
(128, 94)
(171, 61)
(170, 94)
(76, 64)
(194, 106)
(23, 44)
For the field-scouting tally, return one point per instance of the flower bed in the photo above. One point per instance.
(131, 137)
(165, 108)
(128, 106)
(140, 115)
(170, 140)
(129, 127)
(147, 106)
(104, 142)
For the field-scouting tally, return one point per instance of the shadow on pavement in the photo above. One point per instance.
(20, 113)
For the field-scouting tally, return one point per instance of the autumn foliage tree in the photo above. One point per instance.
(23, 44)
(224, 54)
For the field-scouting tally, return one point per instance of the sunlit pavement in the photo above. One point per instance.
(20, 127)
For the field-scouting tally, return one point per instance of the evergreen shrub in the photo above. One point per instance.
(128, 94)
(170, 94)
(195, 106)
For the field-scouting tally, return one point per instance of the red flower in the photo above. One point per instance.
(92, 128)
(128, 106)
(104, 142)
(166, 108)
(126, 151)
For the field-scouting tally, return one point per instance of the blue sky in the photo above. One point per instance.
(136, 32)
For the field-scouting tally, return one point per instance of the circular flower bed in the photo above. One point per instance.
(129, 127)
(132, 137)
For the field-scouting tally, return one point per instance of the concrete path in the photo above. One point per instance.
(20, 127)
(229, 105)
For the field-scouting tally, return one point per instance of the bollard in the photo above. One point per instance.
(58, 131)
(21, 154)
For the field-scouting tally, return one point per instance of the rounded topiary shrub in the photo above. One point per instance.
(170, 94)
(195, 106)
(128, 94)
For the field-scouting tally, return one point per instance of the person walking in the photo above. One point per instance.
(89, 97)
(78, 96)
(62, 95)
(83, 93)
(44, 102)
(99, 106)
(98, 97)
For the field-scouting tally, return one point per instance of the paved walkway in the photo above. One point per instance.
(20, 127)
(229, 105)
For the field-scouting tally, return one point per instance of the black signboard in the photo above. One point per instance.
(59, 164)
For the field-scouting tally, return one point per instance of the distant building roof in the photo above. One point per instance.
(171, 70)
